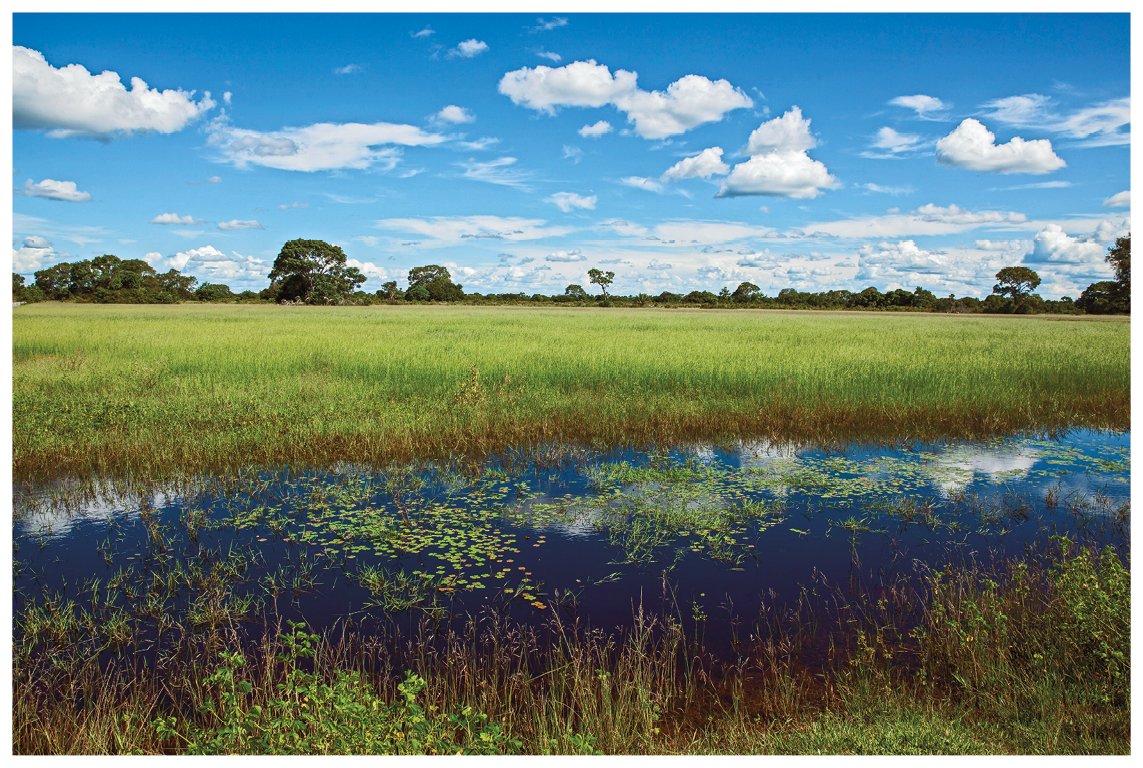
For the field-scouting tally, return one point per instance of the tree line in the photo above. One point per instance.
(315, 272)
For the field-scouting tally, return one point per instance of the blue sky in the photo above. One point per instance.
(681, 152)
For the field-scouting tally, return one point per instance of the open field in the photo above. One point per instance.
(142, 390)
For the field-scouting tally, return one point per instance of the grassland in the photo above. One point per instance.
(119, 390)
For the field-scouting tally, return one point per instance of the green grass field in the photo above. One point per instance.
(119, 389)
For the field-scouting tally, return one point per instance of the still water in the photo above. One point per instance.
(690, 531)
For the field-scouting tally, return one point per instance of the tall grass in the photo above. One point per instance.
(143, 389)
(1028, 657)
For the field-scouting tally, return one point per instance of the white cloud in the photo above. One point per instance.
(423, 33)
(565, 201)
(348, 69)
(926, 107)
(759, 260)
(454, 114)
(469, 48)
(888, 259)
(1037, 185)
(1096, 125)
(906, 190)
(573, 255)
(235, 224)
(1008, 246)
(369, 269)
(704, 165)
(1054, 246)
(893, 143)
(477, 144)
(320, 147)
(640, 182)
(226, 96)
(293, 205)
(456, 229)
(956, 215)
(497, 171)
(32, 254)
(1119, 200)
(72, 102)
(211, 180)
(973, 147)
(573, 153)
(778, 174)
(54, 190)
(544, 26)
(595, 131)
(788, 133)
(174, 218)
(549, 55)
(206, 253)
(656, 264)
(689, 101)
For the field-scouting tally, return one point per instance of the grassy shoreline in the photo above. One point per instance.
(139, 390)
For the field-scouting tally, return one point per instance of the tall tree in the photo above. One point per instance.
(1016, 282)
(315, 272)
(600, 278)
(1119, 257)
(437, 281)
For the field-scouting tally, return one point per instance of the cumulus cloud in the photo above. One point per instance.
(573, 255)
(54, 190)
(689, 101)
(1008, 246)
(499, 171)
(565, 201)
(293, 205)
(32, 254)
(788, 133)
(779, 165)
(639, 182)
(596, 130)
(320, 147)
(454, 114)
(235, 224)
(929, 219)
(656, 264)
(72, 102)
(758, 260)
(926, 107)
(469, 48)
(1052, 245)
(890, 259)
(704, 165)
(973, 147)
(778, 174)
(174, 218)
(1119, 200)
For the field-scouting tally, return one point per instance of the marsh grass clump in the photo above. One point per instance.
(195, 387)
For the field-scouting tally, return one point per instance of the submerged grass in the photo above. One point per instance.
(1029, 656)
(141, 390)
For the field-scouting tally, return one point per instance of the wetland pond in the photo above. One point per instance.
(702, 533)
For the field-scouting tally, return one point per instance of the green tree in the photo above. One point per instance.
(213, 292)
(314, 272)
(17, 286)
(576, 292)
(437, 281)
(600, 278)
(417, 293)
(1015, 282)
(55, 281)
(390, 290)
(1100, 298)
(1119, 257)
(745, 292)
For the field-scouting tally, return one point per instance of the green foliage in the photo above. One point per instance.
(1015, 282)
(576, 292)
(1111, 297)
(436, 282)
(746, 292)
(314, 272)
(601, 278)
(341, 717)
(108, 279)
(417, 293)
(390, 291)
(213, 292)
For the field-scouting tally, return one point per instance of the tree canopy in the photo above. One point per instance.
(1015, 282)
(600, 278)
(315, 272)
(437, 281)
